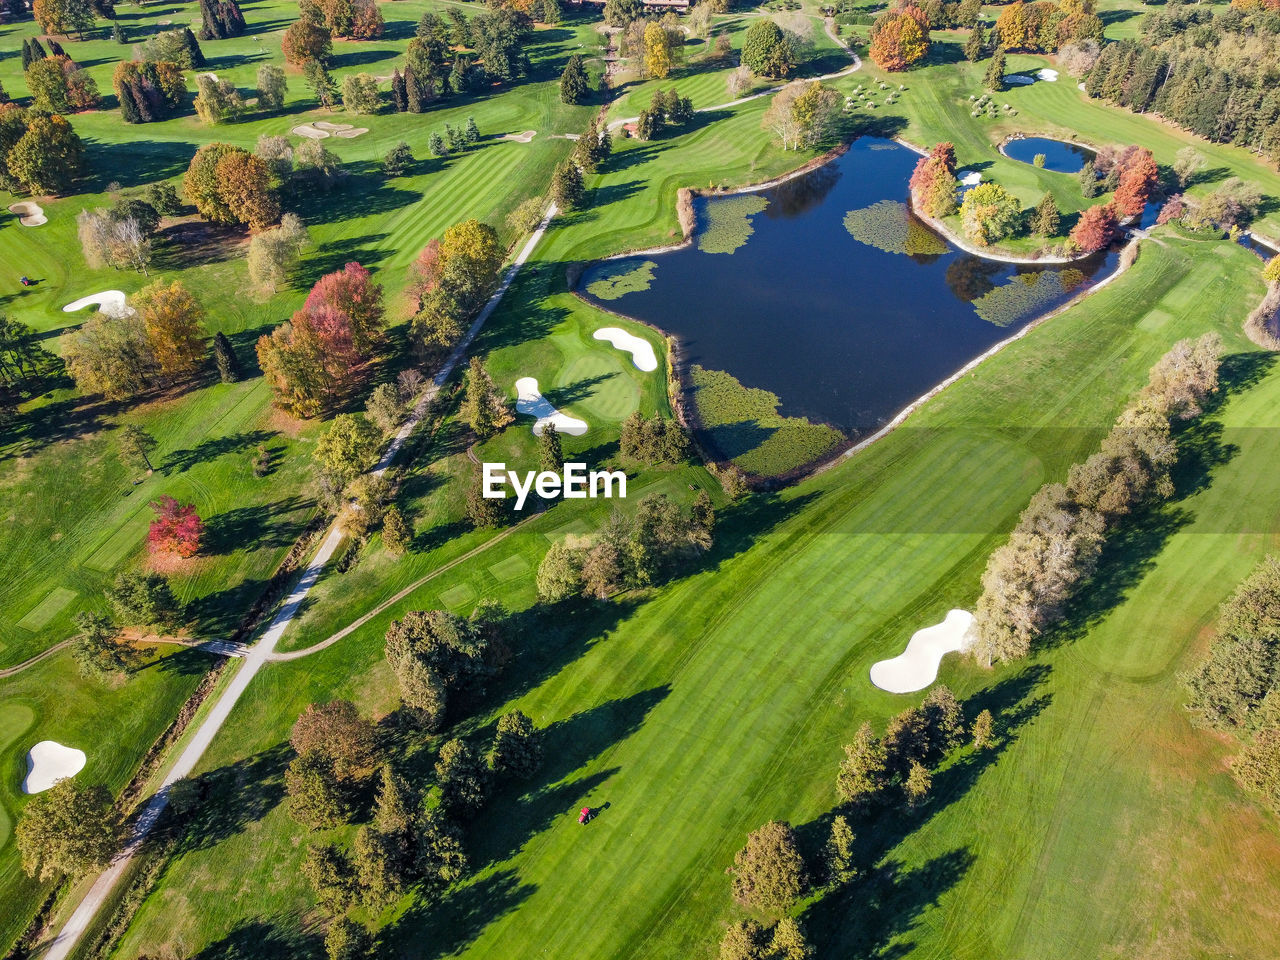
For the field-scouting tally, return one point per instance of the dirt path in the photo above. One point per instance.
(393, 600)
(260, 653)
(220, 647)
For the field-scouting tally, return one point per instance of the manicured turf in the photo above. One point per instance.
(722, 701)
(1105, 825)
(113, 725)
(73, 516)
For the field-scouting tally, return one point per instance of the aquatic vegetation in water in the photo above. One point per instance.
(890, 226)
(618, 279)
(745, 426)
(727, 222)
(1026, 295)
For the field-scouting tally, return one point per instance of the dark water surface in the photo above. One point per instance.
(1058, 156)
(842, 331)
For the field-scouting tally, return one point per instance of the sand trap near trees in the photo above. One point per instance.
(29, 214)
(48, 762)
(323, 129)
(641, 350)
(969, 178)
(917, 666)
(523, 137)
(532, 403)
(1048, 75)
(111, 302)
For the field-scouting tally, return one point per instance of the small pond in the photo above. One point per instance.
(829, 295)
(1059, 156)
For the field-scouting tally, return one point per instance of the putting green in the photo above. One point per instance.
(599, 386)
(455, 597)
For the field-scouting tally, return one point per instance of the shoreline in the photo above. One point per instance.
(676, 376)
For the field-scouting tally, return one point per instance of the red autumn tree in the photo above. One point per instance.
(177, 528)
(424, 275)
(351, 293)
(1138, 177)
(311, 362)
(1095, 229)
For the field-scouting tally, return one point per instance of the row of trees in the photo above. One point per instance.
(771, 874)
(1055, 546)
(1043, 26)
(631, 551)
(1234, 689)
(1199, 70)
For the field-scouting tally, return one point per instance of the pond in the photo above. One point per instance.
(828, 295)
(1059, 156)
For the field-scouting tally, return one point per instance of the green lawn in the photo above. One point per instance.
(721, 701)
(1104, 826)
(73, 516)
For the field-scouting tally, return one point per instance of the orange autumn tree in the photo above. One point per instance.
(1095, 229)
(934, 184)
(900, 38)
(1139, 175)
(174, 321)
(244, 185)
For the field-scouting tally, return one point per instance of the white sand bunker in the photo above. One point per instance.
(48, 762)
(969, 178)
(29, 214)
(522, 137)
(917, 666)
(532, 403)
(1048, 75)
(111, 302)
(322, 129)
(641, 350)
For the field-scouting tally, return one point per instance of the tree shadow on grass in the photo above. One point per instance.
(577, 391)
(232, 797)
(864, 918)
(180, 461)
(67, 419)
(894, 897)
(261, 526)
(263, 940)
(520, 810)
(429, 931)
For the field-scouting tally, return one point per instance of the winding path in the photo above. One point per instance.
(260, 653)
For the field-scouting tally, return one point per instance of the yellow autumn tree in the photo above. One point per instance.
(657, 50)
(174, 321)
